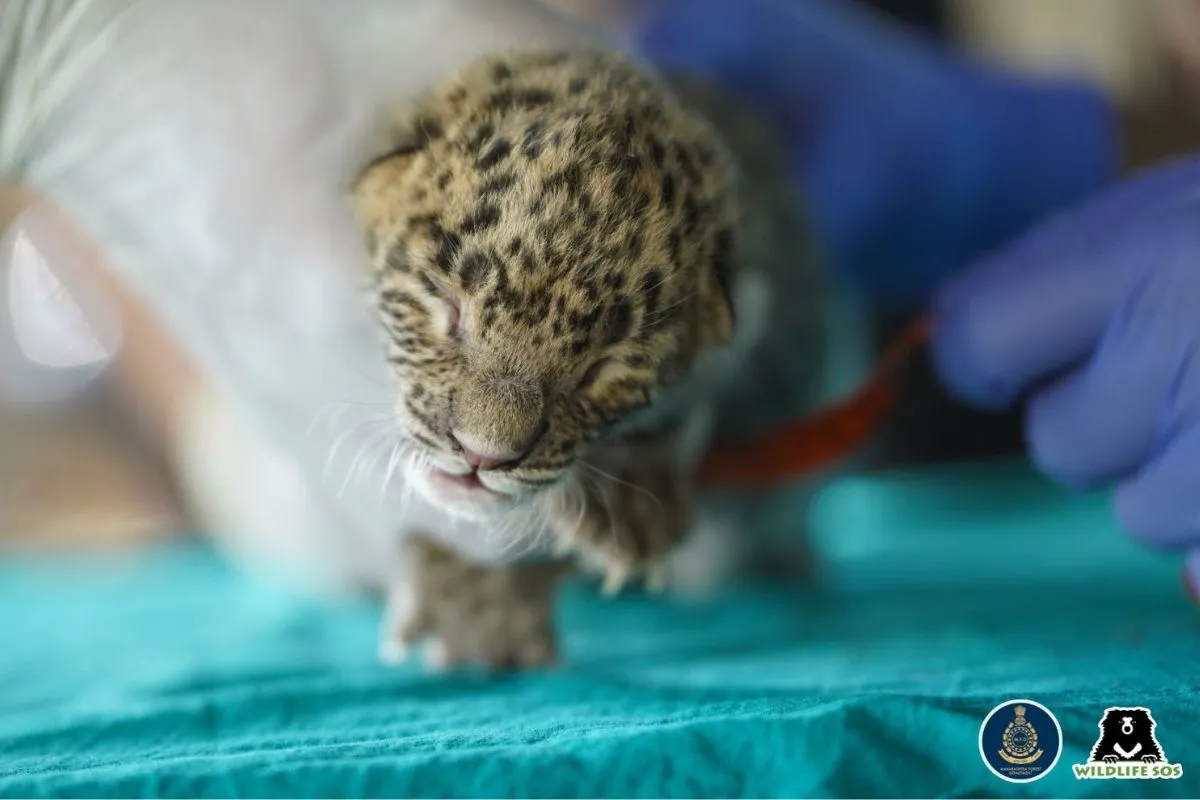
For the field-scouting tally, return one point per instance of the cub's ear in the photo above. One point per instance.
(409, 132)
(394, 157)
(719, 312)
(379, 187)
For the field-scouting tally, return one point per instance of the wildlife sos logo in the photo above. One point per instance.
(1020, 741)
(1127, 749)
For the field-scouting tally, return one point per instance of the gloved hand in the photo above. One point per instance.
(207, 148)
(912, 160)
(1094, 320)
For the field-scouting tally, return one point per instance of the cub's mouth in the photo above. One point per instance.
(467, 482)
(464, 487)
(452, 481)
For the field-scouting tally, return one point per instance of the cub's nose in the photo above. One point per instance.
(481, 457)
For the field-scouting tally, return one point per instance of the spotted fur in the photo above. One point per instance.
(581, 225)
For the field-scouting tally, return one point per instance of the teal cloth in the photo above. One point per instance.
(945, 592)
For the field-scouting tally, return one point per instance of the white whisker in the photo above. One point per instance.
(351, 469)
(334, 410)
(633, 486)
(368, 446)
(379, 451)
(397, 451)
(662, 312)
(333, 451)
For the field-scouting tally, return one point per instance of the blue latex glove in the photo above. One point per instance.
(912, 160)
(1094, 318)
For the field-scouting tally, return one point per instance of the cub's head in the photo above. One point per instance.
(551, 238)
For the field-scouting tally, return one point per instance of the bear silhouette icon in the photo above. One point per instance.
(1127, 734)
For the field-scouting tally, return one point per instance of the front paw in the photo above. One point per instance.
(1110, 759)
(628, 522)
(500, 618)
(1151, 759)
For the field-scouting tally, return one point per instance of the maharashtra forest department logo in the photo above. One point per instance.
(1127, 749)
(1020, 741)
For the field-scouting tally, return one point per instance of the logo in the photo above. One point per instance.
(1127, 749)
(1020, 741)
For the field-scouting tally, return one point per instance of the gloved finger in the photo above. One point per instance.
(1141, 385)
(1078, 228)
(1040, 306)
(1160, 506)
(788, 56)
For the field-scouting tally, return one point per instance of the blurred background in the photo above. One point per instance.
(102, 465)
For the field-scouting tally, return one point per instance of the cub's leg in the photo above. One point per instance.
(632, 507)
(499, 617)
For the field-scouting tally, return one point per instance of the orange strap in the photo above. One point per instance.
(820, 439)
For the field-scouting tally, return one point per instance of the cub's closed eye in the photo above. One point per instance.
(452, 305)
(594, 372)
(455, 315)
